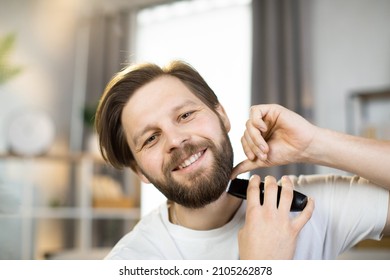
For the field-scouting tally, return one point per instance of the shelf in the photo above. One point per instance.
(56, 157)
(53, 204)
(132, 213)
(369, 114)
(77, 213)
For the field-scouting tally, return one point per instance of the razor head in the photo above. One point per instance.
(238, 187)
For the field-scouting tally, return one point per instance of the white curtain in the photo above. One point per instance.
(280, 64)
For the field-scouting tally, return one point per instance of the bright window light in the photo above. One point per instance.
(215, 37)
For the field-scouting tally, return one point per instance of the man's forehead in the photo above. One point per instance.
(163, 93)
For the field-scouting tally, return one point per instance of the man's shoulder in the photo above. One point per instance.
(149, 225)
(141, 239)
(326, 179)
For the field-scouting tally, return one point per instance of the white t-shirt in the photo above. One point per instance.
(347, 210)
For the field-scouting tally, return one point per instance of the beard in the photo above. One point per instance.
(204, 186)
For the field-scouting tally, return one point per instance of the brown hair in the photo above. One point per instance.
(112, 140)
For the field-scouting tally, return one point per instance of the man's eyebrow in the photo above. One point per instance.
(182, 105)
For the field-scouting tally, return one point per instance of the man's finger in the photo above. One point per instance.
(270, 192)
(242, 167)
(253, 192)
(286, 195)
(305, 215)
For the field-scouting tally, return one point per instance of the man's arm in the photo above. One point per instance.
(275, 136)
(365, 157)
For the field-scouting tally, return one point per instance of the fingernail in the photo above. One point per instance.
(253, 177)
(250, 155)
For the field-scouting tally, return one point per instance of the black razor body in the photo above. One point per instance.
(238, 188)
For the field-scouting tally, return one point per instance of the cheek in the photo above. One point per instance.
(151, 162)
(212, 129)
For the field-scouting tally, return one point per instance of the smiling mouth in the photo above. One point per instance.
(189, 161)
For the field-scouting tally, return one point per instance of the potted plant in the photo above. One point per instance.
(7, 70)
(89, 122)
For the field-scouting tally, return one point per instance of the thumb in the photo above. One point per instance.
(306, 214)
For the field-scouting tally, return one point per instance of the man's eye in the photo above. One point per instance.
(186, 115)
(150, 139)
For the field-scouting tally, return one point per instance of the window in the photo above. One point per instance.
(215, 37)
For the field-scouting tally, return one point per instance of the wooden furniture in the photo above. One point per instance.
(49, 205)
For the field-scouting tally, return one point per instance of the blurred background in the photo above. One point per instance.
(325, 59)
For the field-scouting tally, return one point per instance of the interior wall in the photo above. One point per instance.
(351, 52)
(45, 48)
(350, 40)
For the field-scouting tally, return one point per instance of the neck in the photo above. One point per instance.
(209, 217)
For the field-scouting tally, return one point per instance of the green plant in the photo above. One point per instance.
(7, 71)
(89, 115)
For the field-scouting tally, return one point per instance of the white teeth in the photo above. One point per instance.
(190, 160)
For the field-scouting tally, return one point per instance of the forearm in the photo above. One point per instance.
(364, 157)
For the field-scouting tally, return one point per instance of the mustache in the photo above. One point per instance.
(179, 155)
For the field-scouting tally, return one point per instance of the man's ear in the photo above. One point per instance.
(225, 119)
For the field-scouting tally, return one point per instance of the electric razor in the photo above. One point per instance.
(238, 188)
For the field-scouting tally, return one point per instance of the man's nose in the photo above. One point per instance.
(175, 138)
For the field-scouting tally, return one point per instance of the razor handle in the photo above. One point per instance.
(238, 187)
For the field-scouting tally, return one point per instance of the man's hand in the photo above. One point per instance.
(269, 231)
(274, 136)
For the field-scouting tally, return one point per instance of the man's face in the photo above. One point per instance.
(180, 145)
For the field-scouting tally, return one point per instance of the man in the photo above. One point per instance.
(169, 127)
